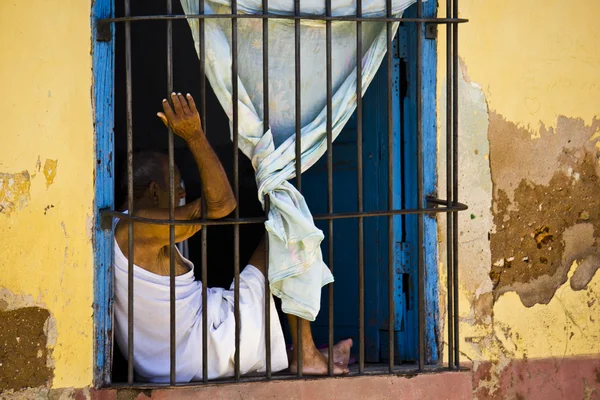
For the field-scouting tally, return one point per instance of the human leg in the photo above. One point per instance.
(314, 361)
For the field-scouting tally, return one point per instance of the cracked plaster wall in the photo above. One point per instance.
(529, 170)
(529, 166)
(46, 191)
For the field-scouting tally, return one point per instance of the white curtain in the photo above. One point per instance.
(296, 268)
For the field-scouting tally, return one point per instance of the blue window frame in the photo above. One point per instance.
(103, 93)
(404, 151)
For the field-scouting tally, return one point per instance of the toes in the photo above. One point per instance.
(340, 370)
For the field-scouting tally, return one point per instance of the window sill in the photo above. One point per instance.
(434, 383)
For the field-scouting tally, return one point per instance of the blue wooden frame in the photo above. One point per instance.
(102, 95)
(430, 234)
(429, 157)
(408, 32)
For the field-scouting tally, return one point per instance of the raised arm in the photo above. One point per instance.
(184, 120)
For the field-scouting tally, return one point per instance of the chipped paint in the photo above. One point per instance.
(27, 341)
(54, 394)
(528, 127)
(529, 168)
(14, 191)
(540, 379)
(543, 225)
(49, 144)
(473, 149)
(50, 171)
(23, 346)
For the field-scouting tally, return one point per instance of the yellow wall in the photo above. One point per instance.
(528, 64)
(530, 90)
(535, 60)
(46, 168)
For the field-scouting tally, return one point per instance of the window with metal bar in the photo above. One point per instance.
(373, 193)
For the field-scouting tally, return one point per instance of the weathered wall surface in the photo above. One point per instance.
(46, 195)
(530, 172)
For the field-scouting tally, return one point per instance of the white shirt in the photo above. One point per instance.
(152, 331)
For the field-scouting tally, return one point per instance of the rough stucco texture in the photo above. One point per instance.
(46, 194)
(23, 349)
(549, 218)
(529, 169)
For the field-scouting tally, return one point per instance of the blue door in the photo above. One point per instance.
(375, 154)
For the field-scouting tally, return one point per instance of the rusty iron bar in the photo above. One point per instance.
(420, 196)
(204, 231)
(340, 18)
(328, 55)
(455, 185)
(130, 255)
(256, 220)
(359, 190)
(298, 128)
(172, 316)
(390, 194)
(236, 186)
(265, 39)
(449, 216)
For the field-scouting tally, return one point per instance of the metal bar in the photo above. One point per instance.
(204, 232)
(359, 186)
(449, 216)
(298, 96)
(265, 32)
(258, 220)
(328, 52)
(455, 183)
(420, 197)
(173, 333)
(130, 237)
(267, 298)
(204, 266)
(341, 18)
(236, 228)
(298, 102)
(390, 145)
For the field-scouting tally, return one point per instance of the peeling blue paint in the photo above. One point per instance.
(103, 92)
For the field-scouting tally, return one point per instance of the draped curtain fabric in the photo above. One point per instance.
(296, 268)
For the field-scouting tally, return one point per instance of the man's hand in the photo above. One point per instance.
(184, 120)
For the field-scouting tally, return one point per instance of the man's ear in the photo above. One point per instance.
(153, 190)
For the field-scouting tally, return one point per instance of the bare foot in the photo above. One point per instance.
(341, 352)
(315, 363)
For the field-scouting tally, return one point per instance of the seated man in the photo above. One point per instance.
(151, 332)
